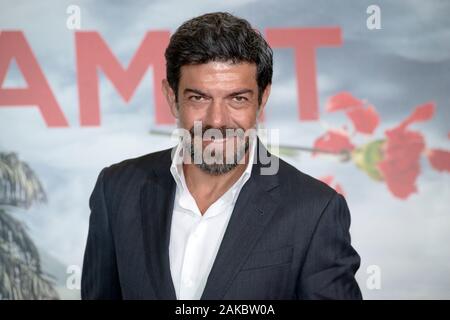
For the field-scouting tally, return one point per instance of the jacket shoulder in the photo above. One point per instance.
(306, 188)
(141, 165)
(306, 200)
(123, 180)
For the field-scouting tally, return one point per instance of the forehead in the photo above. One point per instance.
(218, 74)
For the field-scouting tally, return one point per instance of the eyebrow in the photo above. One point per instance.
(233, 94)
(189, 90)
(243, 91)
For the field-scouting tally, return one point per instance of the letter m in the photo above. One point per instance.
(93, 53)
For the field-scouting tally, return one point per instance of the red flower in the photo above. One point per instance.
(333, 141)
(439, 159)
(421, 113)
(396, 159)
(400, 165)
(342, 101)
(364, 120)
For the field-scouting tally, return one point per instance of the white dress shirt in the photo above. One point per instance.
(195, 238)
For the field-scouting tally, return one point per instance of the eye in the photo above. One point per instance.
(240, 98)
(196, 98)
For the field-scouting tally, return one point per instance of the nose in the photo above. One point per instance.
(217, 114)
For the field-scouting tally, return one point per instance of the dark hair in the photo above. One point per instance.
(218, 36)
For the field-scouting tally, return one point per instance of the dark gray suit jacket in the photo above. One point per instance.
(288, 237)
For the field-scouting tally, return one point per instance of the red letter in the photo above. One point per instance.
(14, 45)
(93, 53)
(305, 41)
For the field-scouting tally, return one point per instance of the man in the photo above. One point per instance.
(186, 224)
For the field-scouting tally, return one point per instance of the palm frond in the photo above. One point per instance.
(21, 276)
(19, 185)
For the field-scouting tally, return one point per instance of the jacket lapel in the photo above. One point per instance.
(256, 204)
(157, 197)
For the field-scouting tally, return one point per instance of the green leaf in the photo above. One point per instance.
(367, 158)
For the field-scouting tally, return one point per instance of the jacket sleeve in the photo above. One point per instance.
(99, 276)
(331, 262)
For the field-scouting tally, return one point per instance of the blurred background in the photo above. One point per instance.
(360, 97)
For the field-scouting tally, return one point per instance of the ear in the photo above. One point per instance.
(170, 97)
(264, 98)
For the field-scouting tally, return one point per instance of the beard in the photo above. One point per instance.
(218, 158)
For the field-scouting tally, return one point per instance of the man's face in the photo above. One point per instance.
(221, 96)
